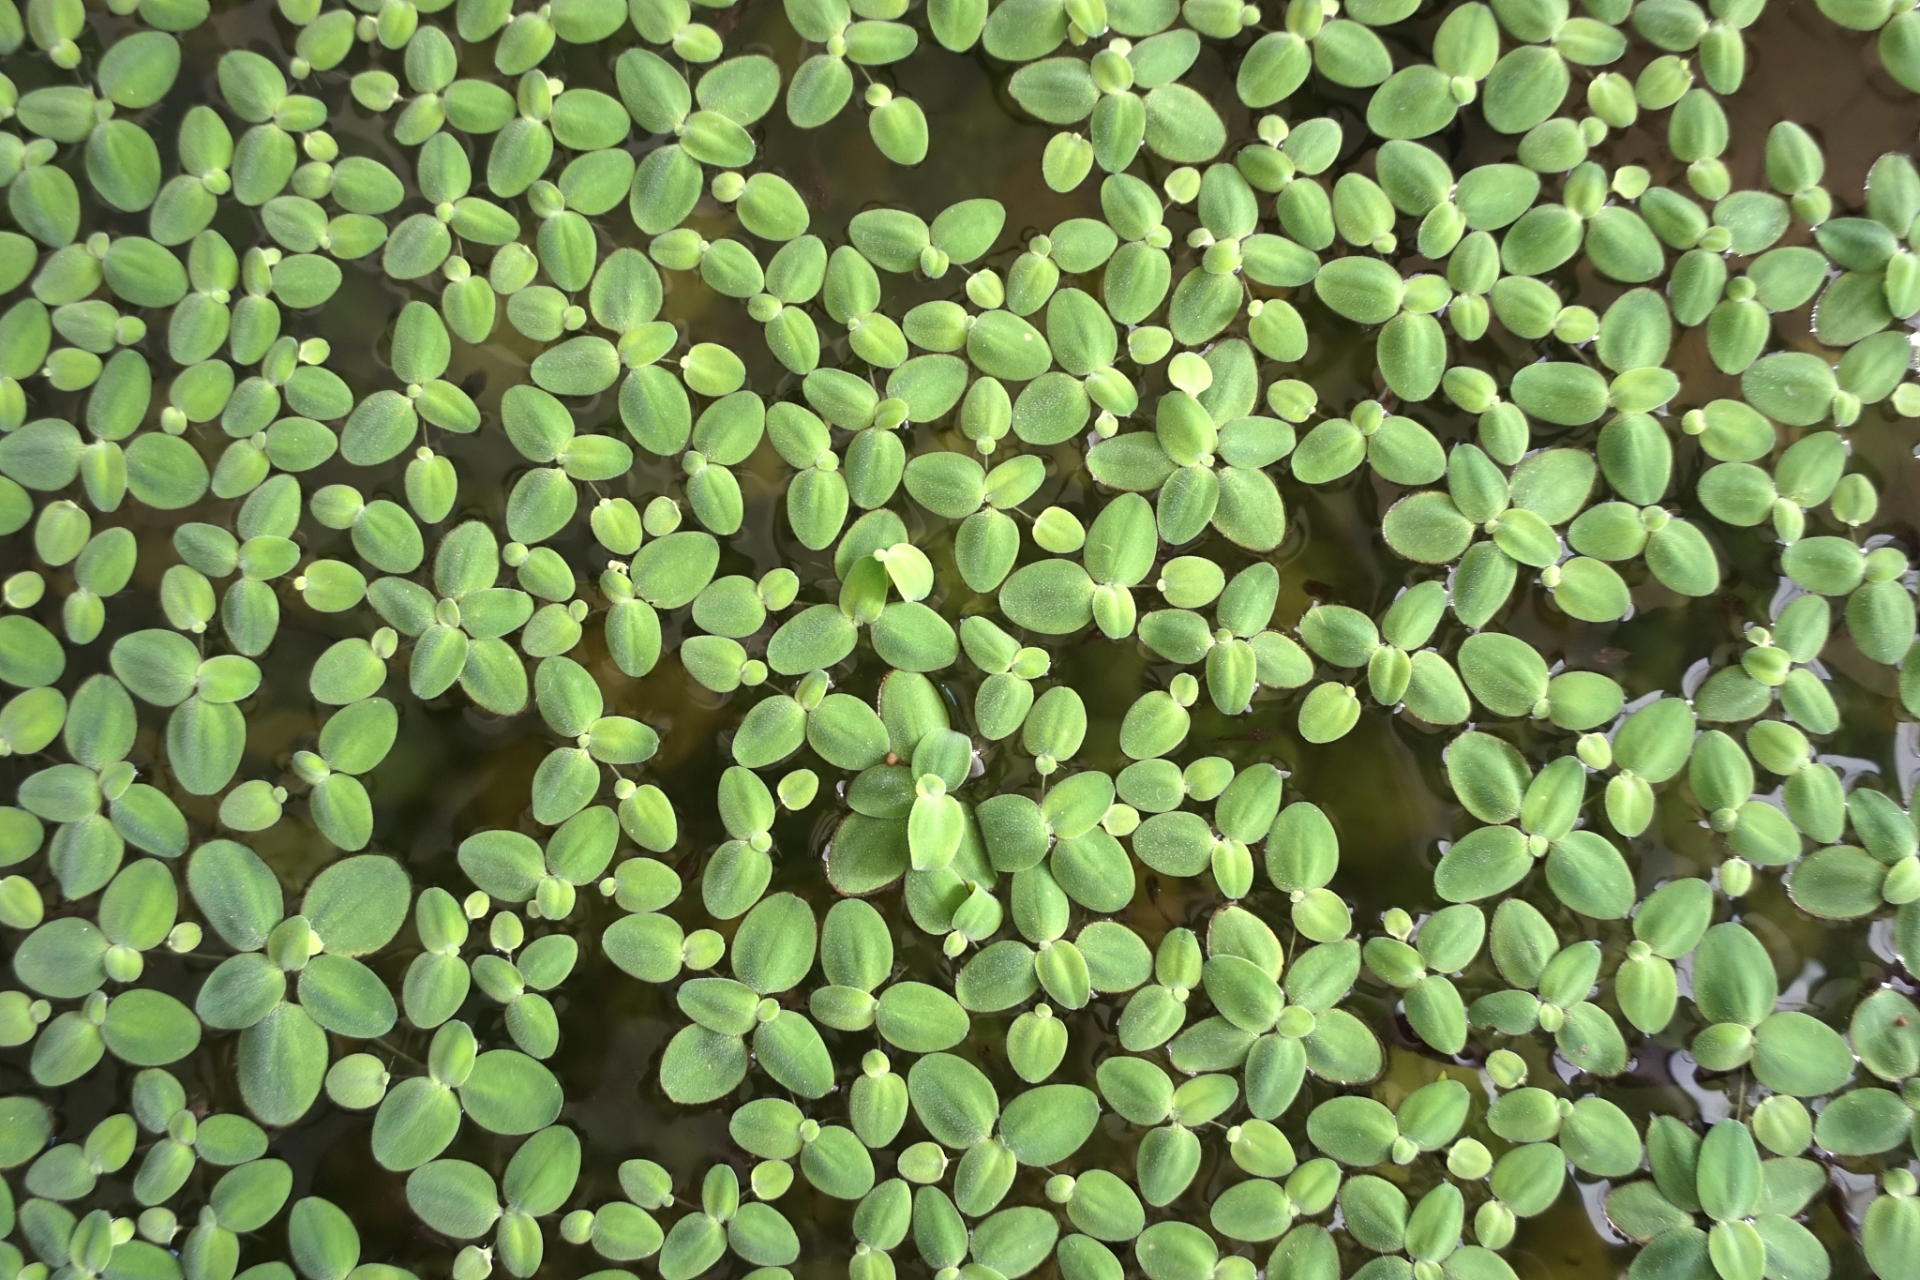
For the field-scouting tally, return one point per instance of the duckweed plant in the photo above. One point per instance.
(1010, 935)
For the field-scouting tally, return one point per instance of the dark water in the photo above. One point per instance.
(456, 770)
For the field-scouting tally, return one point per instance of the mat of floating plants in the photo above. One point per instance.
(933, 638)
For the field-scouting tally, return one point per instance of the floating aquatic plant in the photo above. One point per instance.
(982, 549)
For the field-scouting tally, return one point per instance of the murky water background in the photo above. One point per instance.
(455, 770)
